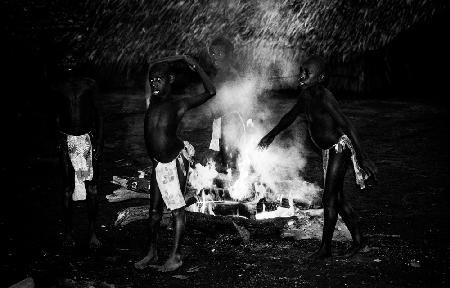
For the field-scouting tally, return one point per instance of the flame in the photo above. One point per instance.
(203, 176)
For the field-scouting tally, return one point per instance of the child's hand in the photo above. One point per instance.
(97, 152)
(265, 141)
(370, 168)
(191, 62)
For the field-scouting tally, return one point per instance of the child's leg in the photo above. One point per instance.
(174, 261)
(334, 181)
(351, 221)
(92, 202)
(68, 185)
(156, 210)
(92, 207)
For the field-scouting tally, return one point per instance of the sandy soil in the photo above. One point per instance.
(405, 216)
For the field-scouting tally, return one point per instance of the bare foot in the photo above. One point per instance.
(354, 249)
(94, 243)
(68, 241)
(147, 261)
(172, 264)
(320, 254)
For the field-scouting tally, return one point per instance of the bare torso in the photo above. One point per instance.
(160, 131)
(75, 106)
(323, 129)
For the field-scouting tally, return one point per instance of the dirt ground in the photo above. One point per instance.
(405, 216)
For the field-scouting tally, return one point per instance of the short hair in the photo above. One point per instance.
(317, 61)
(162, 68)
(223, 42)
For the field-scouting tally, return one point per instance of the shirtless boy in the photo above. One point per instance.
(332, 132)
(169, 155)
(80, 144)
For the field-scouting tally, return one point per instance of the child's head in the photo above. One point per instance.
(221, 51)
(161, 79)
(312, 71)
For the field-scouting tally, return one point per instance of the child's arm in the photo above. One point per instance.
(332, 107)
(99, 133)
(285, 122)
(193, 101)
(98, 118)
(148, 92)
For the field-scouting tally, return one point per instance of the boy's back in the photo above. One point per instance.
(75, 106)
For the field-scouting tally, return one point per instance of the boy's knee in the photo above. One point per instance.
(179, 212)
(92, 189)
(68, 190)
(329, 203)
(155, 216)
(330, 210)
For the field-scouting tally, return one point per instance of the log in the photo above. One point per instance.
(227, 224)
(305, 224)
(123, 194)
(209, 223)
(132, 214)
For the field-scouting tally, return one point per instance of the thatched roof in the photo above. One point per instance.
(125, 32)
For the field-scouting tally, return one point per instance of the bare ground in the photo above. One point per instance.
(405, 215)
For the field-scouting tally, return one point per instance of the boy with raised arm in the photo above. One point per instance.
(332, 132)
(169, 154)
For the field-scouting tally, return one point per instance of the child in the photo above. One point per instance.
(221, 53)
(332, 132)
(170, 155)
(80, 145)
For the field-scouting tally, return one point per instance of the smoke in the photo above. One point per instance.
(264, 65)
(278, 167)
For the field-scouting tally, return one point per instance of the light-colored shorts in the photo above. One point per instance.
(167, 178)
(345, 142)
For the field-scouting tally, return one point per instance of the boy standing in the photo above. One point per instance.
(170, 155)
(333, 133)
(80, 144)
(221, 53)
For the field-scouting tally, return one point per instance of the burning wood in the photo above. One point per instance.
(305, 224)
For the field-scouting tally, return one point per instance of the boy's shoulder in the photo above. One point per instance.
(74, 83)
(326, 94)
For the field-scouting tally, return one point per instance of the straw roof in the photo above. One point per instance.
(124, 32)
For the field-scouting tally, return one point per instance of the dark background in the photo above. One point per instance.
(413, 67)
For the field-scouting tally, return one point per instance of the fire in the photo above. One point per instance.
(203, 176)
(271, 174)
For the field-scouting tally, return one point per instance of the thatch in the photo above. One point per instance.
(127, 32)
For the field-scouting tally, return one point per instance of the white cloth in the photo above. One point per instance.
(216, 134)
(345, 142)
(80, 154)
(167, 178)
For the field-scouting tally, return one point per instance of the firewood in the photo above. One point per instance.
(123, 194)
(132, 214)
(211, 224)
